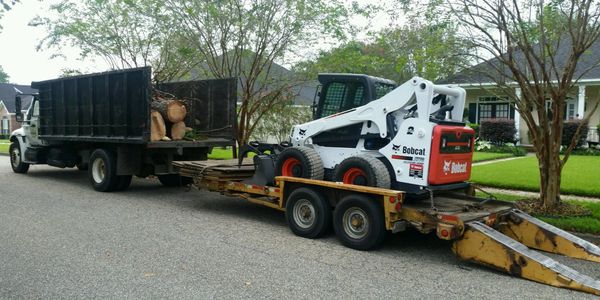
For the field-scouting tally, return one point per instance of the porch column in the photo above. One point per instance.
(518, 117)
(581, 102)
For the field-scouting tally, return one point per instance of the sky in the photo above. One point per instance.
(24, 64)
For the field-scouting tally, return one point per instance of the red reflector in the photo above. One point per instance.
(444, 233)
(449, 218)
(398, 206)
(392, 199)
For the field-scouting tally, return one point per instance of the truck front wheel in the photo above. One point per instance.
(103, 170)
(16, 160)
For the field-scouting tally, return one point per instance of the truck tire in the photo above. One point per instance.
(300, 162)
(102, 171)
(174, 180)
(307, 212)
(358, 222)
(16, 161)
(123, 182)
(363, 170)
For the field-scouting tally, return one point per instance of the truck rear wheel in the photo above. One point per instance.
(308, 213)
(358, 222)
(123, 182)
(16, 161)
(102, 171)
(301, 162)
(359, 170)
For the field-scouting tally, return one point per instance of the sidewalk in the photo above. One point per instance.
(527, 194)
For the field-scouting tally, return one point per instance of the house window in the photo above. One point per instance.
(5, 126)
(492, 107)
(570, 109)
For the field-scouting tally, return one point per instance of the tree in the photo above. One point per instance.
(6, 5)
(125, 33)
(536, 47)
(243, 39)
(430, 48)
(4, 78)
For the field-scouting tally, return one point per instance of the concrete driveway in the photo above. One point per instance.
(61, 239)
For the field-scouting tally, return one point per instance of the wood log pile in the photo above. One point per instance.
(167, 117)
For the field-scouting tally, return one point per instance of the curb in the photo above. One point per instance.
(592, 238)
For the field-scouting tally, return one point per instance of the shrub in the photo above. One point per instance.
(476, 128)
(498, 131)
(569, 129)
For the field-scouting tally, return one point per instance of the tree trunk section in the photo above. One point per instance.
(550, 173)
(173, 110)
(158, 129)
(178, 131)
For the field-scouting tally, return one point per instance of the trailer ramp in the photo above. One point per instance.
(485, 245)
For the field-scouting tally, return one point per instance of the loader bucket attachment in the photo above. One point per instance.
(536, 234)
(482, 244)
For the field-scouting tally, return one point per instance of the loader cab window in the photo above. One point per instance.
(338, 96)
(382, 89)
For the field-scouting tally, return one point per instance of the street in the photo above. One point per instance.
(61, 239)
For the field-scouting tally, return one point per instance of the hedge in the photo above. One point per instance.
(569, 129)
(497, 131)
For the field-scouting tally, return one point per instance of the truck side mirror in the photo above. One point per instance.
(18, 112)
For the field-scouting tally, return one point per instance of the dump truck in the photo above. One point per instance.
(101, 123)
(367, 167)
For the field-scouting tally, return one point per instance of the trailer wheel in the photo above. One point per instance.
(103, 170)
(174, 180)
(358, 222)
(16, 161)
(301, 162)
(123, 182)
(308, 213)
(363, 170)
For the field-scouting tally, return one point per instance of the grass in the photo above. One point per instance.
(485, 156)
(4, 144)
(220, 153)
(587, 224)
(579, 176)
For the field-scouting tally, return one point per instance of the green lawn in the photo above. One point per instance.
(483, 156)
(580, 175)
(220, 153)
(4, 146)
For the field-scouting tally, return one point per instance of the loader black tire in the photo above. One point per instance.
(359, 222)
(303, 162)
(102, 171)
(16, 158)
(308, 213)
(363, 170)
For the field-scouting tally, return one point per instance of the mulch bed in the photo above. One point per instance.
(535, 207)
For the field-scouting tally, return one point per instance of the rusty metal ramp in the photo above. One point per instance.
(485, 245)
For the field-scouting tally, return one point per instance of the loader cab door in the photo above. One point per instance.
(341, 92)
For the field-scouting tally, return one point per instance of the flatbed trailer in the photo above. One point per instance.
(485, 231)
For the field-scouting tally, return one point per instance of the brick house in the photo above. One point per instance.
(8, 92)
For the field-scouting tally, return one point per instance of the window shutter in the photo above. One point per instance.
(512, 111)
(473, 113)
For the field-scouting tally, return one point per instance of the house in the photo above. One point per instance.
(8, 92)
(485, 100)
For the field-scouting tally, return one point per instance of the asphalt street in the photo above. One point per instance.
(61, 239)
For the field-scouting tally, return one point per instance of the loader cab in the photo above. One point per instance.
(340, 92)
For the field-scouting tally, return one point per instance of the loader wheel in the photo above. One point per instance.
(308, 213)
(301, 162)
(359, 170)
(16, 161)
(103, 170)
(358, 222)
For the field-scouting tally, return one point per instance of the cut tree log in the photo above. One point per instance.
(178, 131)
(173, 110)
(158, 129)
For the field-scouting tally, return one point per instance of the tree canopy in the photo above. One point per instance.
(4, 78)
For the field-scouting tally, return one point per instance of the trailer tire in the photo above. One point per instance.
(123, 182)
(359, 222)
(303, 162)
(308, 214)
(363, 170)
(103, 170)
(174, 180)
(16, 158)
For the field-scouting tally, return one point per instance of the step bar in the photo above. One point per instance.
(507, 249)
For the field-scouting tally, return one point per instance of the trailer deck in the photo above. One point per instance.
(485, 231)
